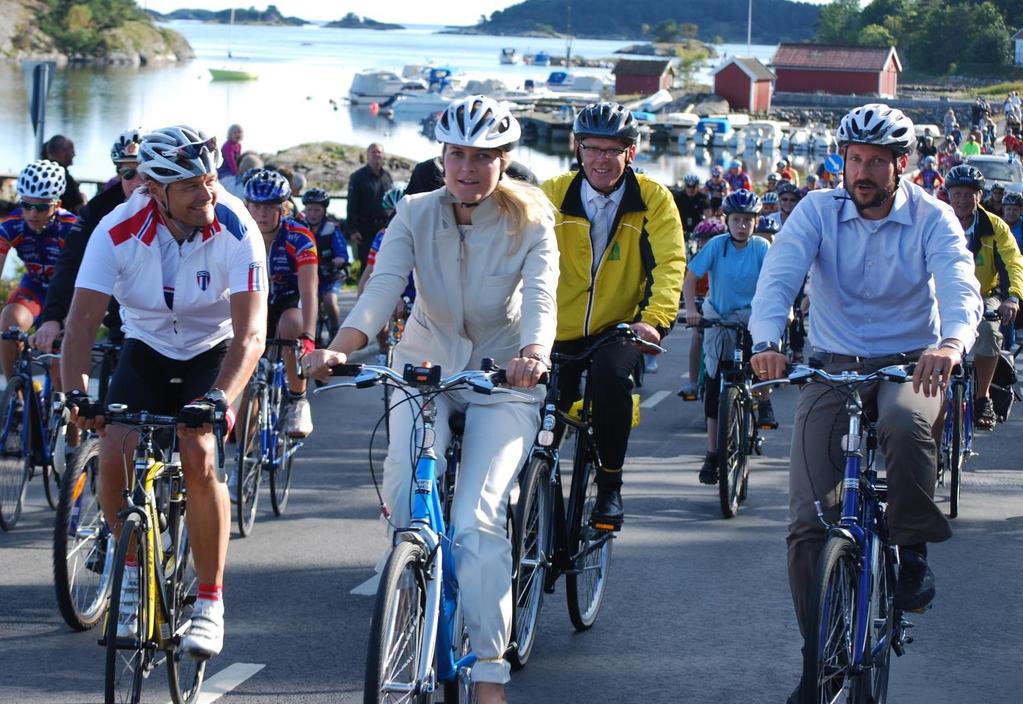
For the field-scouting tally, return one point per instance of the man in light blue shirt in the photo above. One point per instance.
(891, 281)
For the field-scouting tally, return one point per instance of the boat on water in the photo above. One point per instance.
(225, 73)
(541, 58)
(509, 56)
(567, 82)
(376, 86)
(763, 135)
(714, 131)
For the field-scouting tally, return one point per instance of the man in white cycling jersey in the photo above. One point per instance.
(187, 263)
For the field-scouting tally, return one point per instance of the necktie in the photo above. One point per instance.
(600, 229)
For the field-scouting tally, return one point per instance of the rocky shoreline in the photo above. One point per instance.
(329, 165)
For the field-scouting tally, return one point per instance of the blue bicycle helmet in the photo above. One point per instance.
(316, 196)
(267, 187)
(965, 175)
(606, 119)
(735, 164)
(742, 202)
(391, 198)
(767, 226)
(691, 180)
(769, 198)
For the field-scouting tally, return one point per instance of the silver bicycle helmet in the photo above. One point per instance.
(879, 125)
(126, 147)
(177, 153)
(478, 121)
(42, 179)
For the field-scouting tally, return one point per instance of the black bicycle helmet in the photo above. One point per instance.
(317, 196)
(965, 175)
(606, 119)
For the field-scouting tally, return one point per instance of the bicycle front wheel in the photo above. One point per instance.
(280, 473)
(249, 463)
(731, 450)
(53, 473)
(830, 633)
(872, 686)
(591, 548)
(955, 456)
(531, 552)
(15, 461)
(129, 659)
(398, 630)
(185, 672)
(83, 545)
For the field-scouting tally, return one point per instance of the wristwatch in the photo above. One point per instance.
(765, 346)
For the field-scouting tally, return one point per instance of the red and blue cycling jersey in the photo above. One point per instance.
(292, 248)
(739, 181)
(38, 251)
(716, 189)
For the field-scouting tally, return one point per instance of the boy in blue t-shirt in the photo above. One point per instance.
(733, 261)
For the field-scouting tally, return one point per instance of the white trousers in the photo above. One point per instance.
(498, 433)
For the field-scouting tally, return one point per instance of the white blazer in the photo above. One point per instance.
(484, 293)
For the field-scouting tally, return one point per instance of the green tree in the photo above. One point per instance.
(875, 35)
(689, 59)
(666, 31)
(688, 30)
(839, 22)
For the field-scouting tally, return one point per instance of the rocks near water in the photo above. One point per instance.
(329, 165)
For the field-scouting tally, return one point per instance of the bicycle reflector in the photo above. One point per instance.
(422, 376)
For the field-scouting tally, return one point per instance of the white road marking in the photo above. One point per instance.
(655, 399)
(369, 587)
(224, 681)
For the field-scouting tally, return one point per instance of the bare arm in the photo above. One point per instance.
(307, 283)
(689, 296)
(248, 317)
(87, 310)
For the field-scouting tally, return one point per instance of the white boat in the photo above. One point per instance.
(419, 104)
(373, 86)
(763, 135)
(822, 140)
(496, 89)
(232, 71)
(798, 140)
(509, 57)
(566, 82)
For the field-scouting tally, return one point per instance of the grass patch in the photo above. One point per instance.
(1000, 88)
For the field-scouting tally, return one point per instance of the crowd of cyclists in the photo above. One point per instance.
(502, 269)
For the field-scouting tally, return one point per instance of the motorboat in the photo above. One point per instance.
(496, 89)
(798, 140)
(509, 57)
(375, 86)
(566, 82)
(763, 135)
(418, 104)
(714, 131)
(226, 73)
(541, 58)
(680, 125)
(822, 140)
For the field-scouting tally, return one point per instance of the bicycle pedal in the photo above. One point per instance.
(606, 526)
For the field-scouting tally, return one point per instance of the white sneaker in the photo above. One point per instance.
(205, 635)
(128, 609)
(298, 421)
(650, 364)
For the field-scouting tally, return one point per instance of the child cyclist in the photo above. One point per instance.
(704, 231)
(733, 262)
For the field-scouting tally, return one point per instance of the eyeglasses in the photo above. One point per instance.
(788, 200)
(38, 207)
(193, 150)
(594, 152)
(127, 172)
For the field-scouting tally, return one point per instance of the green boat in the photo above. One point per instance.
(232, 74)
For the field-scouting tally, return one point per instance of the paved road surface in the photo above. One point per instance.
(697, 608)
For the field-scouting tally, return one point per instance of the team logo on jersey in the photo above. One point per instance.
(255, 276)
(203, 279)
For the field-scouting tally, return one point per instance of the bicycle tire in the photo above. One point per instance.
(280, 475)
(828, 653)
(532, 531)
(56, 437)
(872, 686)
(731, 450)
(15, 462)
(128, 663)
(185, 672)
(249, 461)
(83, 545)
(586, 582)
(401, 601)
(956, 450)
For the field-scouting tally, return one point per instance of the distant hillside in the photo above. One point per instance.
(773, 20)
(271, 15)
(353, 21)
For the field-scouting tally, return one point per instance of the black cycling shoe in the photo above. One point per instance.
(709, 470)
(608, 513)
(915, 589)
(765, 416)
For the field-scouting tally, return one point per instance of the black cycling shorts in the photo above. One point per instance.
(274, 312)
(145, 380)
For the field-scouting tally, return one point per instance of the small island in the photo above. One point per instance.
(270, 16)
(353, 21)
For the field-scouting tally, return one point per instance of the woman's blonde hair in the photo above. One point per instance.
(523, 203)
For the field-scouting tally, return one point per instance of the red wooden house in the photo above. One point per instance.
(745, 83)
(643, 76)
(843, 70)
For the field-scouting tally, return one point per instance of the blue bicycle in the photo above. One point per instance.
(957, 438)
(417, 638)
(854, 625)
(262, 443)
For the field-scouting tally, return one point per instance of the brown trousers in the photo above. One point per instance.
(904, 421)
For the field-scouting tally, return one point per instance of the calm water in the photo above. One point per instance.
(302, 70)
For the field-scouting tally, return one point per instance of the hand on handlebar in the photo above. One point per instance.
(1007, 311)
(44, 338)
(769, 365)
(647, 333)
(525, 372)
(934, 368)
(318, 363)
(693, 316)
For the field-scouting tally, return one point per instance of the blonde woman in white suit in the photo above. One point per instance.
(485, 260)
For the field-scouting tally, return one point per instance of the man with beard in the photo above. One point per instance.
(891, 283)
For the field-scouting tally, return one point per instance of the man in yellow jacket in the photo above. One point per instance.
(999, 267)
(622, 257)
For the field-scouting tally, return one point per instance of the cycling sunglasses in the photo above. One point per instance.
(127, 172)
(193, 150)
(38, 207)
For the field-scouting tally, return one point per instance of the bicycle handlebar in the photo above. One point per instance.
(621, 332)
(803, 374)
(484, 381)
(119, 413)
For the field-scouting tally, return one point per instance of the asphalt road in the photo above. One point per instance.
(697, 607)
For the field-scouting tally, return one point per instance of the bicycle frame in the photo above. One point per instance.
(270, 383)
(963, 378)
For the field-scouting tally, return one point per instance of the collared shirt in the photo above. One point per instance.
(597, 205)
(877, 287)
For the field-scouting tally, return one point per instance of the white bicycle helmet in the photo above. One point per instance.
(42, 179)
(478, 121)
(126, 147)
(880, 125)
(176, 153)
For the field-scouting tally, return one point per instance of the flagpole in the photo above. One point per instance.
(749, 29)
